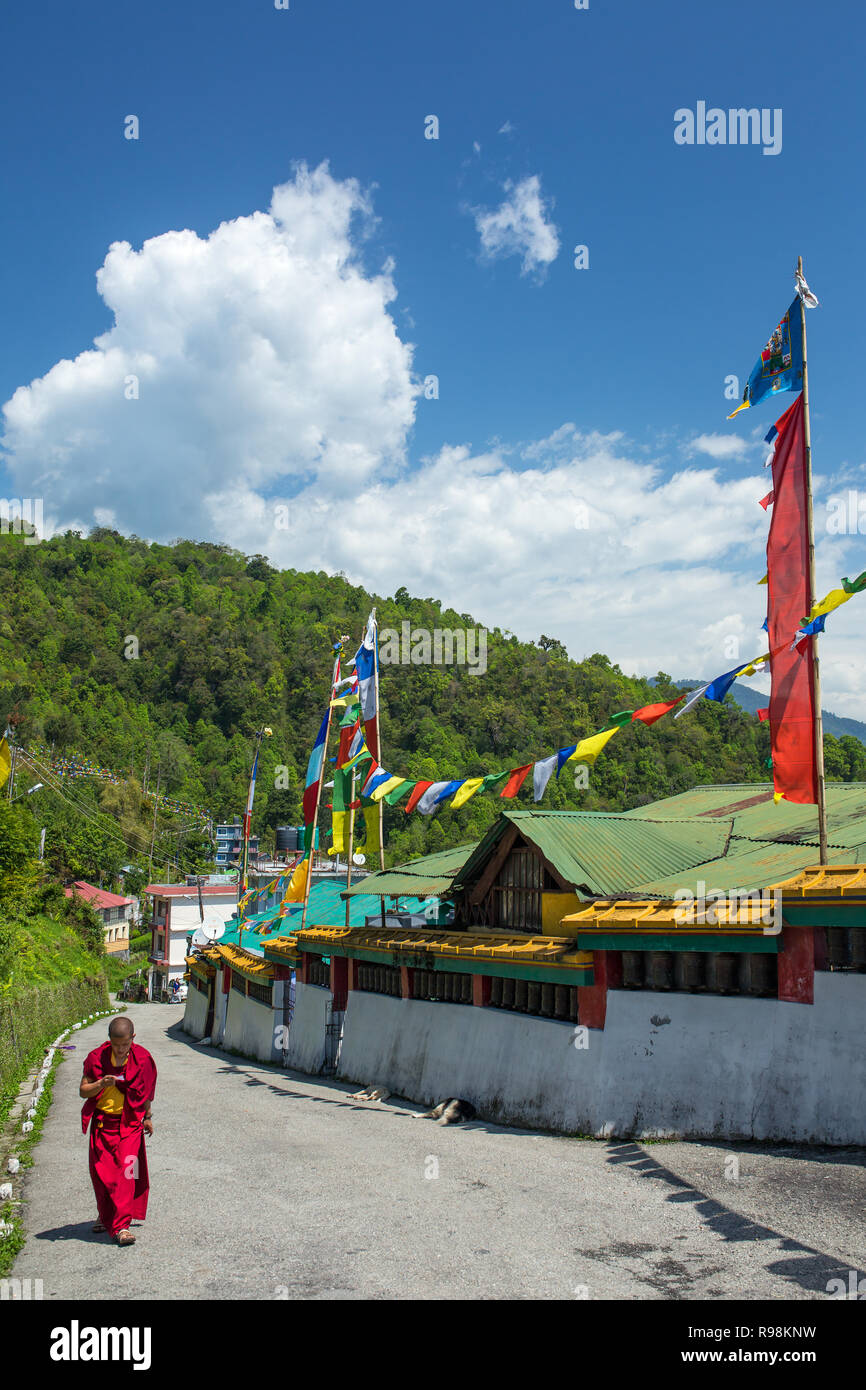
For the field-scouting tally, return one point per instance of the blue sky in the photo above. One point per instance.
(691, 253)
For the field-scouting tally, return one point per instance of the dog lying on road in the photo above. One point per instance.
(371, 1093)
(450, 1112)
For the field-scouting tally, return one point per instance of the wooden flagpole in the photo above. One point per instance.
(379, 752)
(334, 678)
(816, 674)
(351, 842)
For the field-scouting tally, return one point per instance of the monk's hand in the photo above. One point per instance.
(148, 1127)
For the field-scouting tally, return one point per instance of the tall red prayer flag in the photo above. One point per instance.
(792, 697)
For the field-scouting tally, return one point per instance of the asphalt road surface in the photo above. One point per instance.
(267, 1184)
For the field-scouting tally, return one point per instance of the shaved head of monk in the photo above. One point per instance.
(121, 1034)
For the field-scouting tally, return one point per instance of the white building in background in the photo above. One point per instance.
(176, 915)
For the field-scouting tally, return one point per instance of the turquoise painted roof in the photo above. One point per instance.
(326, 909)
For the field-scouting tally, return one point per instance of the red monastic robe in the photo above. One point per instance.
(118, 1161)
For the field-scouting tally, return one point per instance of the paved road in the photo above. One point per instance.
(268, 1184)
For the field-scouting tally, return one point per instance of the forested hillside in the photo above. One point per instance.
(227, 644)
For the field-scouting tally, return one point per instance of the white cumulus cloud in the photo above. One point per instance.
(520, 226)
(262, 353)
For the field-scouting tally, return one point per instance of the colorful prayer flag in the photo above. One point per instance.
(792, 697)
(516, 778)
(780, 365)
(382, 788)
(418, 792)
(650, 713)
(542, 772)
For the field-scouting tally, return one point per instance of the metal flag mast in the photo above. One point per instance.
(816, 675)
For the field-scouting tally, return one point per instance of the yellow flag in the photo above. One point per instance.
(385, 787)
(297, 885)
(5, 762)
(834, 599)
(338, 825)
(589, 748)
(371, 820)
(469, 788)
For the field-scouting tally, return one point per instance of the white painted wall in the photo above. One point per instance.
(195, 1013)
(665, 1064)
(250, 1028)
(306, 1050)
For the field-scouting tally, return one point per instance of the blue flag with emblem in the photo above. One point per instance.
(780, 365)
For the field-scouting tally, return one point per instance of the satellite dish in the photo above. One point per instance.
(359, 859)
(206, 933)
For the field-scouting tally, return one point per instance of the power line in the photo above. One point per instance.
(76, 806)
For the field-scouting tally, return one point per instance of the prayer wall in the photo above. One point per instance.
(666, 1064)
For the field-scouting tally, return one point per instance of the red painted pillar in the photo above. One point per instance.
(480, 990)
(592, 999)
(406, 973)
(304, 972)
(352, 981)
(339, 982)
(797, 965)
(227, 978)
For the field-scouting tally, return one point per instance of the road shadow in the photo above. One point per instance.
(74, 1230)
(807, 1267)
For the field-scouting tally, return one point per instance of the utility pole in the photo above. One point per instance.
(153, 831)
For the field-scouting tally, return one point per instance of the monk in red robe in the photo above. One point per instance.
(117, 1086)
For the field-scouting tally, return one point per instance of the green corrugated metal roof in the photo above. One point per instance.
(751, 807)
(431, 874)
(601, 854)
(754, 866)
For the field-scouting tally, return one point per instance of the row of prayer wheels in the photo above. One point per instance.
(710, 972)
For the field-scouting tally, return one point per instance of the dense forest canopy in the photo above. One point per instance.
(226, 644)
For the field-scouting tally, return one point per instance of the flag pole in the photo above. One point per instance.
(816, 673)
(379, 754)
(351, 842)
(334, 678)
